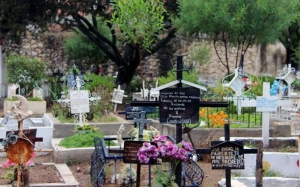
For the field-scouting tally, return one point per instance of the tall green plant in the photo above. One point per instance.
(191, 76)
(80, 48)
(140, 21)
(25, 71)
(239, 24)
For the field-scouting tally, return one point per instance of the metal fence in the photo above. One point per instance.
(247, 116)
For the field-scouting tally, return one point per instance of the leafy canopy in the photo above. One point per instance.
(237, 23)
(248, 20)
(140, 21)
(79, 47)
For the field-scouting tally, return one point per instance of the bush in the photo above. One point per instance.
(26, 72)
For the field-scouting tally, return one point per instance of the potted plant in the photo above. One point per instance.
(27, 73)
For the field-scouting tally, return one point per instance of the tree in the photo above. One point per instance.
(240, 24)
(80, 48)
(16, 15)
(136, 24)
(290, 38)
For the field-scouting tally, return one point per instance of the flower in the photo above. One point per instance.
(9, 163)
(175, 153)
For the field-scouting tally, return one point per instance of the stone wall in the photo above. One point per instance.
(258, 59)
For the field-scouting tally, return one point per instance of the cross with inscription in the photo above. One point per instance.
(142, 121)
(180, 112)
(219, 163)
(78, 100)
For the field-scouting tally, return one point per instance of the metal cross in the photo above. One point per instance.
(142, 121)
(65, 101)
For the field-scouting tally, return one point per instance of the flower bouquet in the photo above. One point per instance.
(166, 150)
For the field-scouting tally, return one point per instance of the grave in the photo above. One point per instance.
(19, 145)
(179, 106)
(79, 101)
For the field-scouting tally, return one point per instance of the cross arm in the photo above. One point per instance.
(144, 103)
(201, 103)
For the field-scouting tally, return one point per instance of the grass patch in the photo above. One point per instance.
(82, 140)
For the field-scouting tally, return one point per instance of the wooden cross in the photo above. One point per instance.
(30, 134)
(227, 140)
(117, 97)
(142, 121)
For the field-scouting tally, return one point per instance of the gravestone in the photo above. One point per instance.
(227, 155)
(79, 100)
(179, 105)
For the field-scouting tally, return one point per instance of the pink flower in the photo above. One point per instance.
(30, 161)
(187, 146)
(183, 155)
(159, 138)
(8, 163)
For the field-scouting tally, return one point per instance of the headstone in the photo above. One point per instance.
(179, 105)
(117, 96)
(79, 101)
(132, 112)
(227, 155)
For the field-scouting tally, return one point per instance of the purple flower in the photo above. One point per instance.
(160, 138)
(182, 155)
(163, 150)
(187, 146)
(143, 158)
(146, 144)
(171, 150)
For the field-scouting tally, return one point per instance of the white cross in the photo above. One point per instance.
(79, 101)
(117, 97)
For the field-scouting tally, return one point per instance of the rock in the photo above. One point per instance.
(78, 169)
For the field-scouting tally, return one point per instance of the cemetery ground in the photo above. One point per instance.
(81, 171)
(48, 174)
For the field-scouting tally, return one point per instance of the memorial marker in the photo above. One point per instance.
(177, 105)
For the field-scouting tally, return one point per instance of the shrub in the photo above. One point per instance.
(26, 72)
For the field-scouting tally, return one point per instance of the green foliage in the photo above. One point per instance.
(15, 15)
(80, 140)
(191, 76)
(200, 52)
(135, 85)
(9, 174)
(140, 21)
(80, 47)
(162, 179)
(270, 173)
(99, 83)
(55, 88)
(25, 71)
(35, 99)
(237, 23)
(239, 19)
(257, 90)
(86, 128)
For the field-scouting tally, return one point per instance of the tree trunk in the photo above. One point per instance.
(263, 59)
(290, 53)
(128, 68)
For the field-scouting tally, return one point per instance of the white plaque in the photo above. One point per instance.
(266, 104)
(117, 96)
(79, 101)
(237, 84)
